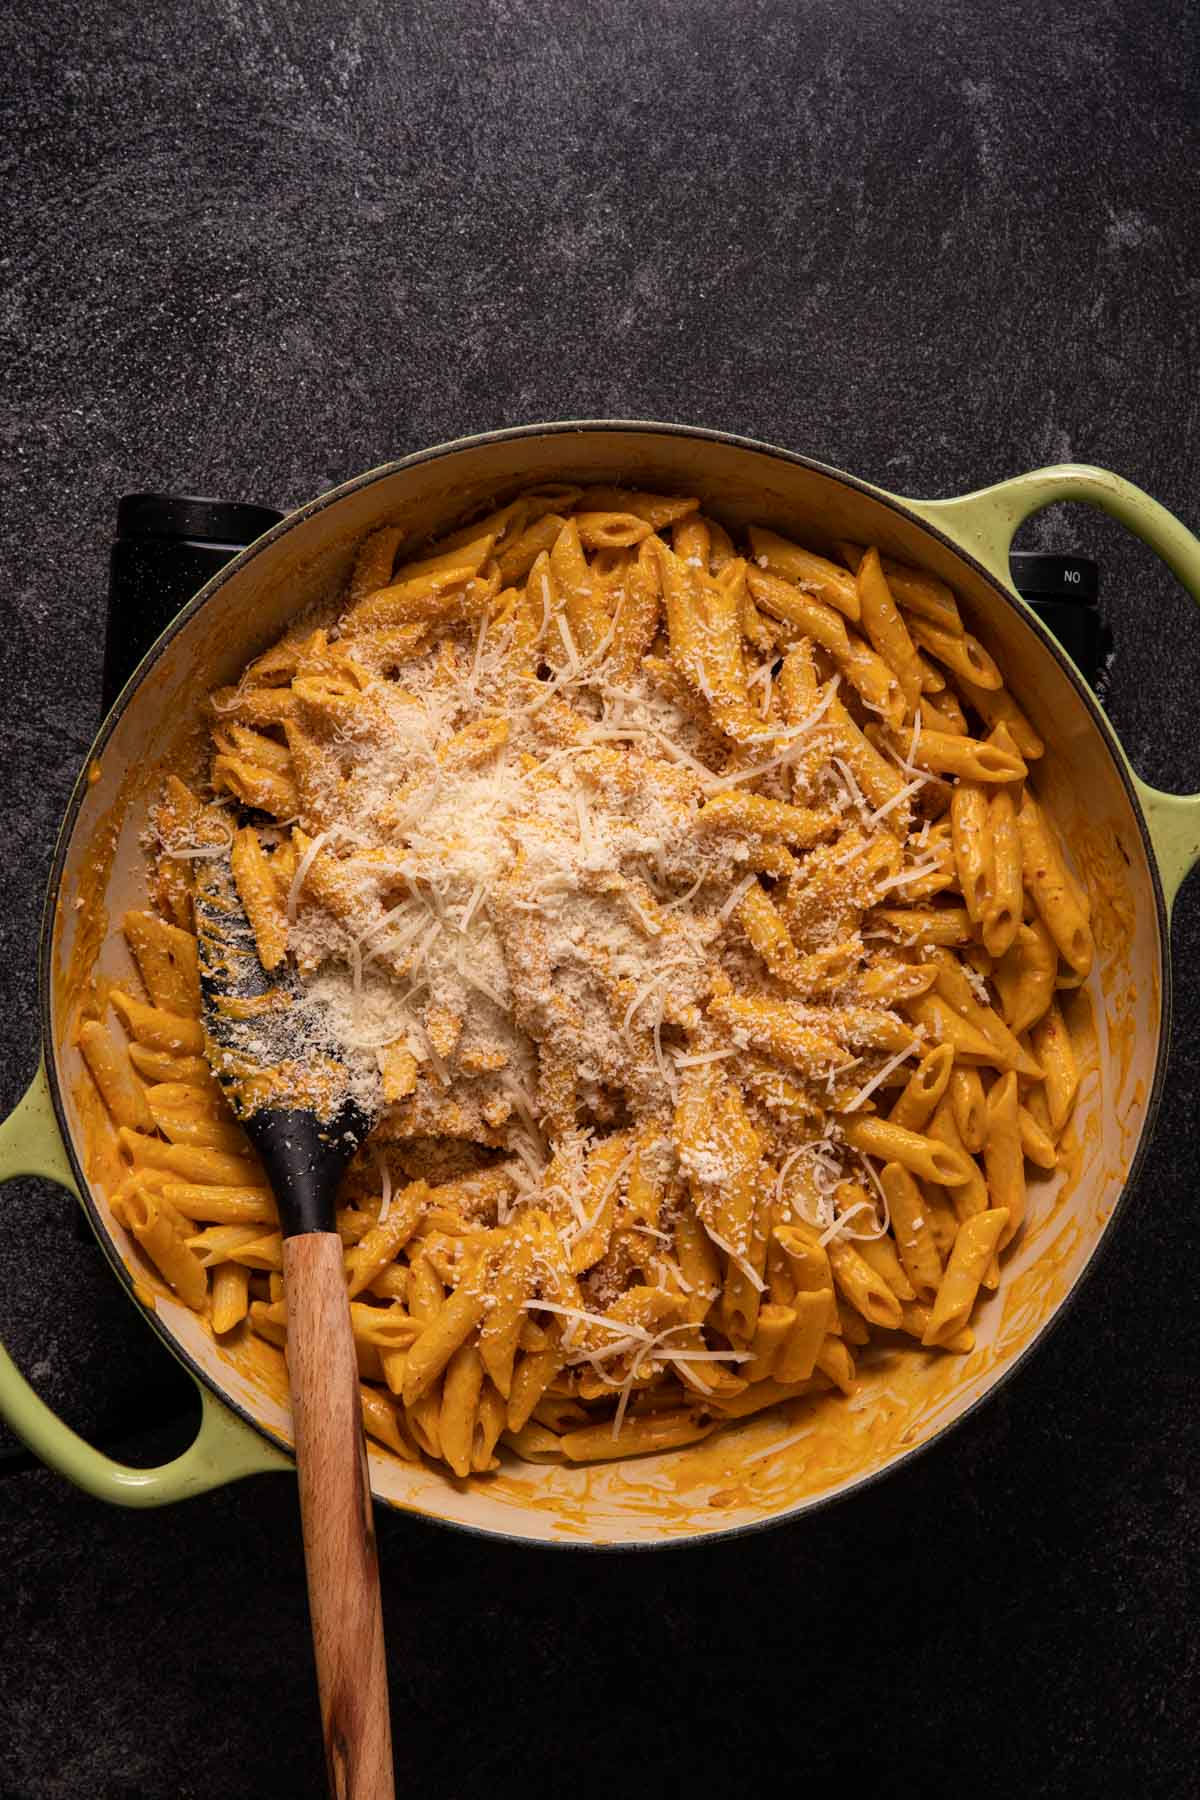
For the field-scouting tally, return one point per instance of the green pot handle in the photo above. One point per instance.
(984, 524)
(224, 1449)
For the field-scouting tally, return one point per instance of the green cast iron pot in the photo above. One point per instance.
(1141, 841)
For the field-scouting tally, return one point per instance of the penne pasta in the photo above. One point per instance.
(158, 1229)
(916, 1241)
(924, 1089)
(166, 960)
(1052, 1041)
(974, 848)
(967, 758)
(112, 1071)
(1056, 896)
(921, 1156)
(959, 652)
(681, 904)
(884, 626)
(1003, 1158)
(1025, 976)
(230, 1296)
(1002, 909)
(974, 1248)
(969, 1106)
(815, 573)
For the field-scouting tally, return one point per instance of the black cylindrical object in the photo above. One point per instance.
(167, 546)
(1063, 589)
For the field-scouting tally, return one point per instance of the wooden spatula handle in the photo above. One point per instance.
(339, 1530)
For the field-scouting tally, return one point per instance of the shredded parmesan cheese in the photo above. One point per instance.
(735, 1256)
(524, 898)
(734, 899)
(868, 1088)
(302, 868)
(385, 1177)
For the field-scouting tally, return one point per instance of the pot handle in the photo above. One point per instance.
(984, 524)
(224, 1449)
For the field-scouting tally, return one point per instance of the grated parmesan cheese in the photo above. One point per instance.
(514, 891)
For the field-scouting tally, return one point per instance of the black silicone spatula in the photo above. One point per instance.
(306, 1132)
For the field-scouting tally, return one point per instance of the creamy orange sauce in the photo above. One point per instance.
(906, 1395)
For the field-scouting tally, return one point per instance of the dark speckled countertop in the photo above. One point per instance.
(251, 248)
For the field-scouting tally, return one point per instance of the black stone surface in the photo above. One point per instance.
(249, 249)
